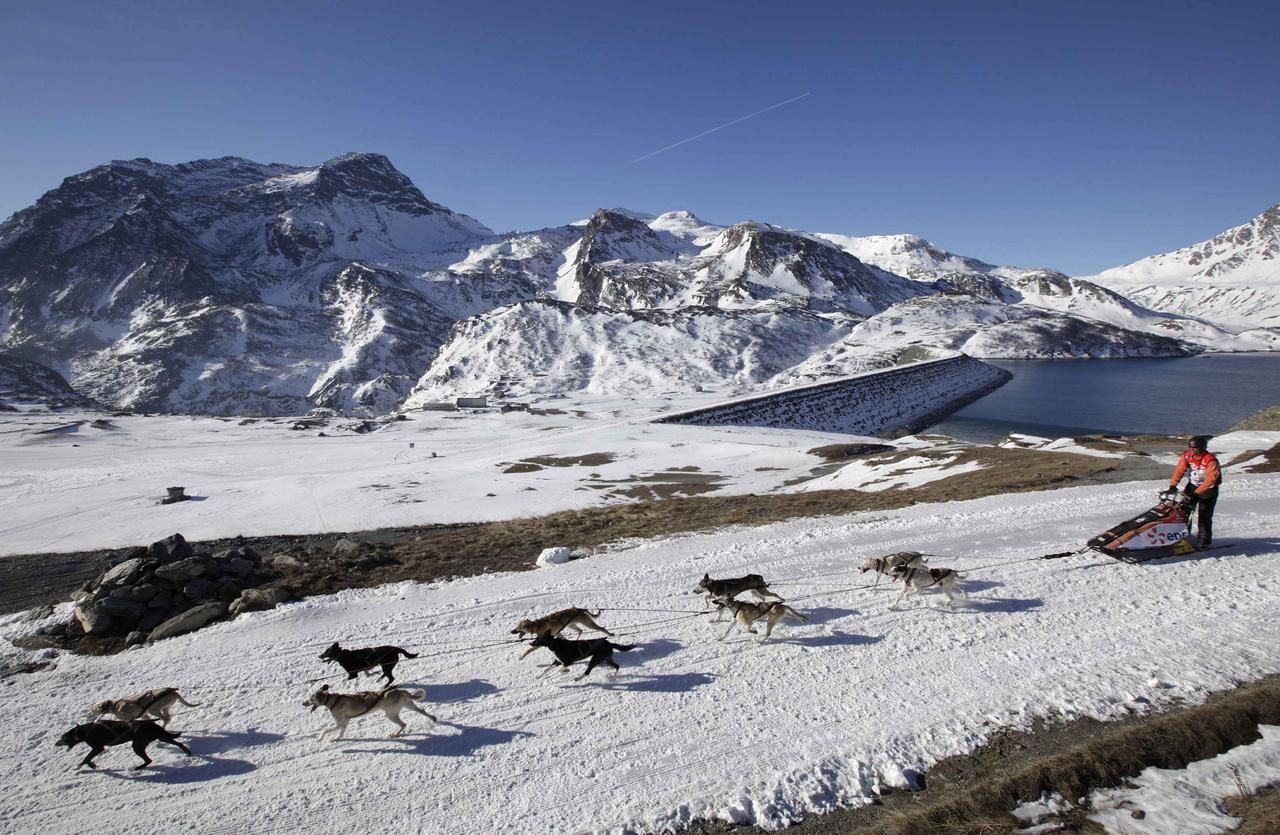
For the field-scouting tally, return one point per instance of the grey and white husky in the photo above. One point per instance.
(344, 707)
(745, 614)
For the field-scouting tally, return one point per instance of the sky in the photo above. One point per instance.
(1076, 136)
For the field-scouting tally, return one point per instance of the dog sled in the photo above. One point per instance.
(1162, 531)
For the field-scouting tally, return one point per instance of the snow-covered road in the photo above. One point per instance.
(692, 727)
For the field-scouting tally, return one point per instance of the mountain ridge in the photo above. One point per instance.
(228, 286)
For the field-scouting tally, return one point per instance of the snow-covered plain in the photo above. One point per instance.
(68, 484)
(827, 712)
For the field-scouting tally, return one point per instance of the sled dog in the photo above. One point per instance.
(599, 650)
(745, 614)
(102, 734)
(918, 579)
(344, 707)
(731, 587)
(557, 622)
(884, 566)
(364, 660)
(154, 703)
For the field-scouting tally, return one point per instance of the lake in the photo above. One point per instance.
(1202, 395)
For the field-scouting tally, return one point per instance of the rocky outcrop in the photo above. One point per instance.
(164, 589)
(25, 383)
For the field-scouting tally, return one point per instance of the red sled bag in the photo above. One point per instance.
(1160, 532)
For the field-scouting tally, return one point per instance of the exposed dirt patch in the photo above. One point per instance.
(591, 459)
(532, 465)
(1260, 461)
(843, 452)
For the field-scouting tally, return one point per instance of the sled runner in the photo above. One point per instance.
(1162, 531)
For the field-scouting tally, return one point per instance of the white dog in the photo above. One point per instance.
(344, 707)
(918, 579)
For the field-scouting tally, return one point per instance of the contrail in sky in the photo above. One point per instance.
(718, 127)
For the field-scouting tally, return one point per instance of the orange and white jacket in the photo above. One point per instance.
(1203, 466)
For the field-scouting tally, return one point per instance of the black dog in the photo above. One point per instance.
(99, 735)
(567, 652)
(358, 660)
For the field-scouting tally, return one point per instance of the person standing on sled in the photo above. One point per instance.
(1201, 492)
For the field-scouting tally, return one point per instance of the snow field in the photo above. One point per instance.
(825, 713)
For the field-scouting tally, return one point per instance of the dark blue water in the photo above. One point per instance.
(1202, 395)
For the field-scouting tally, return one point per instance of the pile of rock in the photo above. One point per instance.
(167, 589)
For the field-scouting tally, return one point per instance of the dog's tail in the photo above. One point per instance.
(178, 696)
(622, 647)
(794, 613)
(594, 614)
(415, 693)
(405, 653)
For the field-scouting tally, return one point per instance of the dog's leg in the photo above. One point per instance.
(94, 750)
(417, 709)
(591, 664)
(901, 594)
(394, 716)
(162, 713)
(774, 617)
(342, 728)
(732, 623)
(140, 748)
(387, 670)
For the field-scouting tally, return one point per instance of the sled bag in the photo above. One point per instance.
(1160, 532)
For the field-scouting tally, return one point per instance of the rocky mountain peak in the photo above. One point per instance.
(615, 235)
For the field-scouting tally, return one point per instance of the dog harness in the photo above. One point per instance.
(938, 575)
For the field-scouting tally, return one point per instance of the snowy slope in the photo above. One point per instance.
(826, 713)
(1233, 277)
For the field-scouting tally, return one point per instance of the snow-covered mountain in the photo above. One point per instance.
(1232, 278)
(1047, 289)
(227, 286)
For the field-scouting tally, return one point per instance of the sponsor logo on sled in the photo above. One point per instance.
(1159, 535)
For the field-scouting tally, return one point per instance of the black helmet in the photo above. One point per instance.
(1198, 442)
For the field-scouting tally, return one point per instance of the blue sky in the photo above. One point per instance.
(1074, 135)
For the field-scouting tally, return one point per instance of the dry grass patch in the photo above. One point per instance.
(1259, 813)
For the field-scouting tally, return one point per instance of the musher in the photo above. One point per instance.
(1201, 492)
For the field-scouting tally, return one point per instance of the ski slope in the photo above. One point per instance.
(826, 713)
